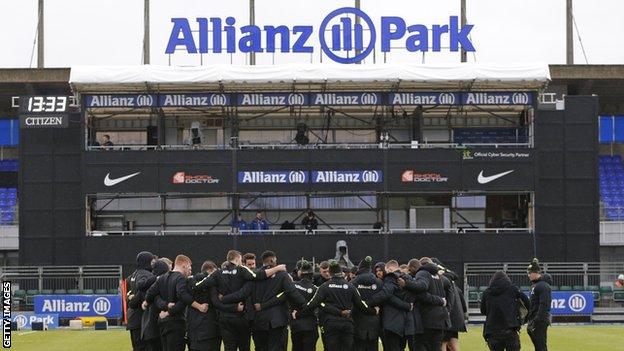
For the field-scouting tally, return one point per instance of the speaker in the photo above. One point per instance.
(100, 325)
(152, 135)
(37, 326)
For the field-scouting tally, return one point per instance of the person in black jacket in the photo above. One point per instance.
(149, 321)
(203, 327)
(172, 288)
(379, 270)
(271, 312)
(436, 319)
(539, 314)
(343, 296)
(499, 304)
(420, 298)
(304, 330)
(234, 325)
(135, 297)
(323, 273)
(367, 330)
(458, 311)
(310, 222)
(396, 317)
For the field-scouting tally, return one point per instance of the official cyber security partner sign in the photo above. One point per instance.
(68, 306)
(571, 303)
(25, 320)
(339, 36)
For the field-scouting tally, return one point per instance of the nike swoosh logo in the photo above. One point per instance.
(484, 180)
(111, 182)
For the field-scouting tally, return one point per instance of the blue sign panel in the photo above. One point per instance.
(120, 100)
(272, 99)
(344, 99)
(193, 100)
(272, 177)
(571, 303)
(69, 306)
(366, 176)
(25, 320)
(497, 98)
(420, 98)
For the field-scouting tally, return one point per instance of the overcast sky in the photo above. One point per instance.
(110, 32)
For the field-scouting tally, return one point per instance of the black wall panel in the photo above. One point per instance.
(56, 174)
(452, 249)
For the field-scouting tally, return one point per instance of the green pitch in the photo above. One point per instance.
(561, 338)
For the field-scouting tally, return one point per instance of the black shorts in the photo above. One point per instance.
(448, 335)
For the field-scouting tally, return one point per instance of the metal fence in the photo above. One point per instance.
(353, 231)
(563, 273)
(80, 278)
(290, 146)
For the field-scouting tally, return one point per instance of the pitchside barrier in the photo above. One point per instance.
(577, 286)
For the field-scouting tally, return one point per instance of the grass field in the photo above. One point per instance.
(561, 338)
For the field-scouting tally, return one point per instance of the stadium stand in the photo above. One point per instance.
(611, 173)
(8, 205)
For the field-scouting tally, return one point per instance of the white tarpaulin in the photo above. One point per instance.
(92, 76)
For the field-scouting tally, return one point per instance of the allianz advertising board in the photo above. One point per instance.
(25, 320)
(69, 306)
(566, 303)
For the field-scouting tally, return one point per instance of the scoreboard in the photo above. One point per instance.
(38, 111)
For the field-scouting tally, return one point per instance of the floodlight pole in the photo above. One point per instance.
(462, 16)
(40, 58)
(252, 22)
(569, 34)
(146, 32)
(357, 22)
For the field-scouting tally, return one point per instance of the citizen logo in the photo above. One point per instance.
(43, 121)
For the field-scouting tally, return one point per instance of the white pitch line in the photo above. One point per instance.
(25, 333)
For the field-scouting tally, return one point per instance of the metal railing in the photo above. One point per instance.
(460, 230)
(353, 231)
(62, 277)
(563, 273)
(135, 147)
(269, 146)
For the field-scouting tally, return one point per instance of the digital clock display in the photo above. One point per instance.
(43, 104)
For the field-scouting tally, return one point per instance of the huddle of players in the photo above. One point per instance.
(402, 307)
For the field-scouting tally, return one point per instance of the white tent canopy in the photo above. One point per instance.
(86, 79)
